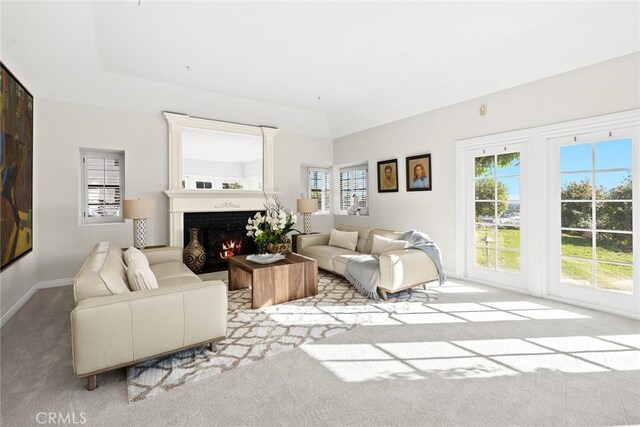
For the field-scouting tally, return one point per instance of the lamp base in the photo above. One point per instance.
(307, 222)
(140, 233)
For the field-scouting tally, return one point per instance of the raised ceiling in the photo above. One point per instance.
(268, 62)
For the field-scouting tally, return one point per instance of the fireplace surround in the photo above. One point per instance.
(183, 202)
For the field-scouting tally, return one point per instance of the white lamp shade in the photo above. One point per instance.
(137, 209)
(307, 205)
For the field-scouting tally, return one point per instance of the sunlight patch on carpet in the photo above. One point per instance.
(253, 334)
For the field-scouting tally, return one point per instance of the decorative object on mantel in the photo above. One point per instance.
(306, 207)
(139, 210)
(270, 231)
(194, 254)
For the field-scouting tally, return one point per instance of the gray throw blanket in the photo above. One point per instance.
(419, 240)
(363, 271)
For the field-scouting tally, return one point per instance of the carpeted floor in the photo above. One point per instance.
(477, 356)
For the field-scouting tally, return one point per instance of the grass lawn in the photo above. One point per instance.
(507, 254)
(503, 254)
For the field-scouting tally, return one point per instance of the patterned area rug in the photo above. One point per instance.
(253, 334)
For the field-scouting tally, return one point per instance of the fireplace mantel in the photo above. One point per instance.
(182, 200)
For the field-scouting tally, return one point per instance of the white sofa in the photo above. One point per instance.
(113, 327)
(399, 270)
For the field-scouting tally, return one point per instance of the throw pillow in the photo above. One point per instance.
(382, 245)
(141, 277)
(135, 256)
(344, 239)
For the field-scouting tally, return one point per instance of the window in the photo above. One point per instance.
(320, 188)
(596, 189)
(103, 186)
(354, 182)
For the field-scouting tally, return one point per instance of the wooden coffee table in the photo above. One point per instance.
(293, 278)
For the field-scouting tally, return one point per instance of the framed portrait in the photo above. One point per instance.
(419, 177)
(16, 168)
(388, 176)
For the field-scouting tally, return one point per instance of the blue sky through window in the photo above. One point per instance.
(613, 154)
(513, 187)
(608, 155)
(510, 169)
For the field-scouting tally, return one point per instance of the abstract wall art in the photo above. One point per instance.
(16, 169)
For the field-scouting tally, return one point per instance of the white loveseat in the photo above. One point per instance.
(399, 270)
(112, 327)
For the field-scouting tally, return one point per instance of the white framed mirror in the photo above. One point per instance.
(214, 156)
(213, 160)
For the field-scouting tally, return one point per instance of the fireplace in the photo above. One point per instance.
(222, 234)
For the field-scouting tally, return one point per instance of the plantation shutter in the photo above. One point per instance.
(103, 186)
(353, 180)
(360, 186)
(319, 188)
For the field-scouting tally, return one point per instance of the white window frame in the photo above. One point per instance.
(507, 279)
(324, 206)
(357, 167)
(94, 153)
(627, 304)
(539, 160)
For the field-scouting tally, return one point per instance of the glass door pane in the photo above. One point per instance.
(596, 215)
(497, 212)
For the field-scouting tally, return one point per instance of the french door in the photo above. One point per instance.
(593, 219)
(494, 214)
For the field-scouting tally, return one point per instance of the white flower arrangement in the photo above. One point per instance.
(272, 228)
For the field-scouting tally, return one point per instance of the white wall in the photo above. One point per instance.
(602, 88)
(63, 128)
(17, 280)
(61, 243)
(291, 153)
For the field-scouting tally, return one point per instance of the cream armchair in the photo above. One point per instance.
(399, 270)
(112, 327)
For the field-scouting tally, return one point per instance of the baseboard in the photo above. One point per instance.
(597, 307)
(22, 301)
(35, 288)
(54, 283)
(567, 301)
(490, 284)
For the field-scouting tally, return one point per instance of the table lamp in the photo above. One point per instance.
(306, 207)
(139, 210)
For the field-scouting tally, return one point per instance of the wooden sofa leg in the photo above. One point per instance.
(213, 346)
(383, 293)
(91, 382)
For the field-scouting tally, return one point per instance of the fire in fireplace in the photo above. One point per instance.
(222, 234)
(230, 248)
